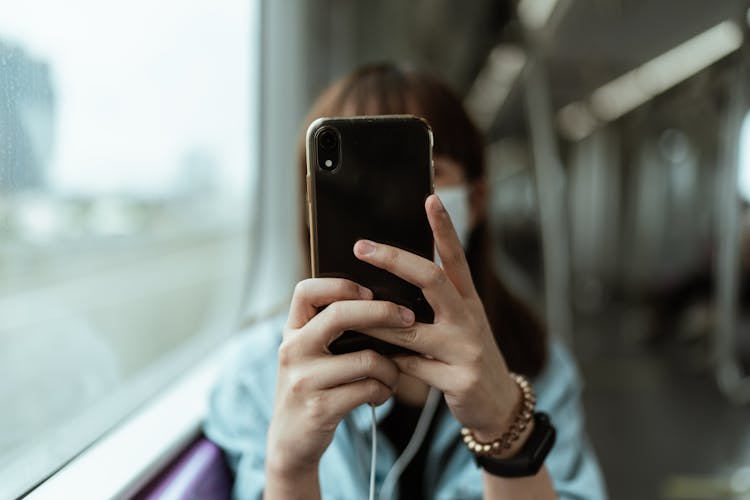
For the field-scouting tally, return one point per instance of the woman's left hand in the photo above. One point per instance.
(459, 354)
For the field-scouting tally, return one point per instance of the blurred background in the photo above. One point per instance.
(145, 207)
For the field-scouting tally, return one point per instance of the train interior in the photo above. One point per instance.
(147, 215)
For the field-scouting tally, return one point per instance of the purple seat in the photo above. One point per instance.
(198, 473)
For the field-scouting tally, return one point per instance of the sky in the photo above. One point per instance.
(142, 85)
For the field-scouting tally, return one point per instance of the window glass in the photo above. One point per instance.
(126, 132)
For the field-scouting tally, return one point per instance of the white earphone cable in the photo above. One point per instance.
(420, 431)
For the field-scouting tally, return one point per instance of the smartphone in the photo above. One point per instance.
(368, 178)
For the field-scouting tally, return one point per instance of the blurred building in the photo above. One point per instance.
(27, 114)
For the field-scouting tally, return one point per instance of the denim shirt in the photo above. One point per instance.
(241, 405)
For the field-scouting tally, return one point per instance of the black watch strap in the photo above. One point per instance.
(530, 459)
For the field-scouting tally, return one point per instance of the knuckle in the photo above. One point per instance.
(468, 381)
(392, 254)
(387, 311)
(374, 389)
(408, 336)
(300, 289)
(335, 313)
(410, 363)
(286, 353)
(368, 359)
(392, 375)
(378, 312)
(317, 407)
(299, 383)
(473, 355)
(350, 289)
(343, 288)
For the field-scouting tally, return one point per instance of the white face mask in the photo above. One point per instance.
(456, 202)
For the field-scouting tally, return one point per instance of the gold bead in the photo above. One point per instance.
(521, 418)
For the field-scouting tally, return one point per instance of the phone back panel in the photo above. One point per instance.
(377, 193)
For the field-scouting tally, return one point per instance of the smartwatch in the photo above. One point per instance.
(530, 458)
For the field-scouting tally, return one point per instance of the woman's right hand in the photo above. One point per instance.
(316, 389)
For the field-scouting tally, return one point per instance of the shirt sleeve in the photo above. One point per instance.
(238, 418)
(572, 462)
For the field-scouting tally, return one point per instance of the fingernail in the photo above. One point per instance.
(364, 247)
(365, 293)
(407, 315)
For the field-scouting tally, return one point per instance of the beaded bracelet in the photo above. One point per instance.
(522, 419)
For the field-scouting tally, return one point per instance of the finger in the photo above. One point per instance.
(425, 274)
(431, 371)
(352, 315)
(312, 293)
(344, 398)
(449, 246)
(333, 371)
(419, 337)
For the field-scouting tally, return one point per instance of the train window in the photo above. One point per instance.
(126, 132)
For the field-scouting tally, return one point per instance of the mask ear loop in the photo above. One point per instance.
(417, 437)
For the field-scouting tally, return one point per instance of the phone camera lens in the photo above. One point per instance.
(328, 140)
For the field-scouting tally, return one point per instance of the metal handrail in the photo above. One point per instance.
(732, 382)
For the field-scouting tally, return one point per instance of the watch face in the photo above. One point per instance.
(531, 457)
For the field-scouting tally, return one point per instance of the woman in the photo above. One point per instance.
(310, 437)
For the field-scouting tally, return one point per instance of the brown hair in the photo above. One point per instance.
(384, 89)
